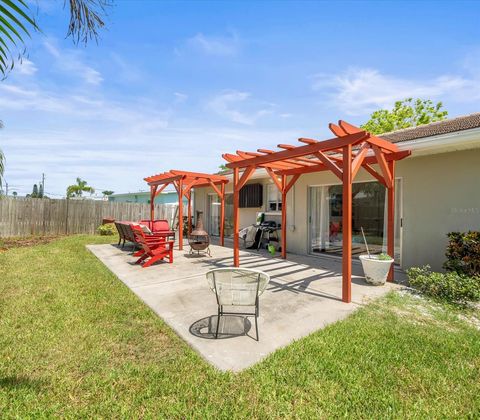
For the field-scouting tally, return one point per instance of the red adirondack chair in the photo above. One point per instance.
(153, 251)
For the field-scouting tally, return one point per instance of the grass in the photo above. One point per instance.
(75, 342)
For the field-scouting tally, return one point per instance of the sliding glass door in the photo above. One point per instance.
(214, 215)
(368, 212)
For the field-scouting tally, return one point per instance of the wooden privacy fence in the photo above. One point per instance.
(35, 216)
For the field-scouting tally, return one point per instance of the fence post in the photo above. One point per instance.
(66, 217)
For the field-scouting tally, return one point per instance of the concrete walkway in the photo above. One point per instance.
(303, 296)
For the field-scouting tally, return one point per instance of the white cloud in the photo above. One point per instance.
(180, 97)
(214, 45)
(226, 105)
(115, 159)
(70, 61)
(361, 91)
(27, 67)
(125, 70)
(134, 114)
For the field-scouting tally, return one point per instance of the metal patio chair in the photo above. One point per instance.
(239, 287)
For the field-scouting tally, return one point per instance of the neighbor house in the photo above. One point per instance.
(167, 197)
(437, 191)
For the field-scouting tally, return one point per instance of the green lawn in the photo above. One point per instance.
(75, 342)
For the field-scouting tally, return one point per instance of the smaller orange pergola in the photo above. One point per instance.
(184, 182)
(351, 149)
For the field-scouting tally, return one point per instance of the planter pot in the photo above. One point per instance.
(376, 270)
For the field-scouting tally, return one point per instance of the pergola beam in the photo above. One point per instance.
(329, 164)
(370, 160)
(274, 178)
(299, 151)
(360, 156)
(382, 162)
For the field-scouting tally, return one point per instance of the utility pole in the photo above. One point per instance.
(43, 185)
(6, 188)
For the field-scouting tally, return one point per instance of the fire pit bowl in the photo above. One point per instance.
(199, 239)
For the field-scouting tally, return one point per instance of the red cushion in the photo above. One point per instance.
(160, 225)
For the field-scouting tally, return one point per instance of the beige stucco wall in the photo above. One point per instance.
(441, 193)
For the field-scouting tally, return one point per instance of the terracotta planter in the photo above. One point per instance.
(376, 270)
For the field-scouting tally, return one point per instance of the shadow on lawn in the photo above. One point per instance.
(20, 382)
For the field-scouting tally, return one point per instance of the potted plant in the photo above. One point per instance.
(375, 267)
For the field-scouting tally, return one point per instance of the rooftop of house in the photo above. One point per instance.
(140, 193)
(451, 125)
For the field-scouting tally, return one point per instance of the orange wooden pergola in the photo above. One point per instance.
(184, 182)
(344, 155)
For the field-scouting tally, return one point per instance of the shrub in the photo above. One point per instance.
(451, 286)
(106, 229)
(463, 253)
(384, 257)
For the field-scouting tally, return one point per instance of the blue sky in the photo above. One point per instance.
(173, 85)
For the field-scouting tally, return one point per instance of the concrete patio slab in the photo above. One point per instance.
(304, 295)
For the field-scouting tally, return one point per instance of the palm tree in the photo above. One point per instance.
(77, 190)
(107, 193)
(17, 21)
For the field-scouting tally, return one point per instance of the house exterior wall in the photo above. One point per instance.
(440, 194)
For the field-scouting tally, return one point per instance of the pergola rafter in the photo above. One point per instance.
(184, 182)
(351, 149)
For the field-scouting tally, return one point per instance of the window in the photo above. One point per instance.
(274, 198)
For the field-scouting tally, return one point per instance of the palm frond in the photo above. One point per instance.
(86, 19)
(16, 22)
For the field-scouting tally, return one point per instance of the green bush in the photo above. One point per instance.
(450, 287)
(106, 229)
(463, 253)
(384, 257)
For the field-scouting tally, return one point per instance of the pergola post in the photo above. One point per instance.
(347, 225)
(391, 218)
(222, 214)
(236, 199)
(284, 216)
(180, 214)
(153, 190)
(189, 196)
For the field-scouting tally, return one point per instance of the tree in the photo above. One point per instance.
(77, 190)
(34, 193)
(14, 194)
(40, 191)
(17, 21)
(405, 114)
(106, 193)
